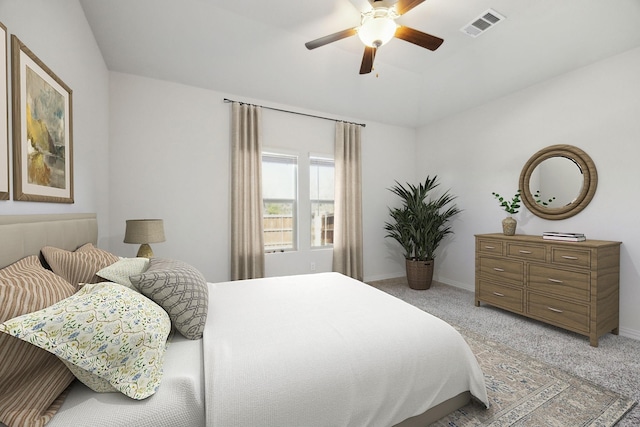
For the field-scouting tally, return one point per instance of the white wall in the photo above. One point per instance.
(483, 150)
(59, 35)
(164, 153)
(388, 156)
(169, 158)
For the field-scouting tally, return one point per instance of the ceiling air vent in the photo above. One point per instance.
(482, 23)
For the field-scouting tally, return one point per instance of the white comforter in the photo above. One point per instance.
(326, 350)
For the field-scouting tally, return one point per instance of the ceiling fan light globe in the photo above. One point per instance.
(376, 31)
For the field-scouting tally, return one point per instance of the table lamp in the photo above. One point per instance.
(144, 231)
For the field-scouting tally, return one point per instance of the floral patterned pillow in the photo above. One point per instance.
(113, 337)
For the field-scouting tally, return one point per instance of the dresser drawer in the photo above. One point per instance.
(491, 247)
(558, 312)
(526, 251)
(503, 269)
(570, 256)
(501, 296)
(554, 281)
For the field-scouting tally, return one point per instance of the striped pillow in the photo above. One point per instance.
(32, 380)
(80, 266)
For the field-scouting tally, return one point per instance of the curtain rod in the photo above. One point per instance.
(296, 112)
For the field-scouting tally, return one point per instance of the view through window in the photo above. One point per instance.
(321, 180)
(279, 190)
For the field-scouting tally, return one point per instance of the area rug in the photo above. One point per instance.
(526, 392)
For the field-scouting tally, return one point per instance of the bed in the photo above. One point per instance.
(320, 349)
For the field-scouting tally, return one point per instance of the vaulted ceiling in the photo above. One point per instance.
(255, 49)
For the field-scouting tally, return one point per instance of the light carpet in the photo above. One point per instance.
(554, 378)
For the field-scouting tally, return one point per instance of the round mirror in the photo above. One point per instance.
(558, 182)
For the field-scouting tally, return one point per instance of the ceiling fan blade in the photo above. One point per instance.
(367, 60)
(361, 5)
(331, 38)
(404, 6)
(419, 38)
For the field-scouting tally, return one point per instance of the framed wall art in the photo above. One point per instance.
(42, 130)
(4, 117)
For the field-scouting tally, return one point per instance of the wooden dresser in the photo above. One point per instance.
(573, 285)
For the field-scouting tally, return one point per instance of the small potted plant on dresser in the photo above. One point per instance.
(511, 207)
(419, 226)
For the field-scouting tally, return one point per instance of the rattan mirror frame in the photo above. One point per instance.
(590, 181)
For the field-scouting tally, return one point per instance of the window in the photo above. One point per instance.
(321, 194)
(284, 199)
(279, 196)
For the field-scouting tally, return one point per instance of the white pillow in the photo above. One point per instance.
(120, 271)
(115, 337)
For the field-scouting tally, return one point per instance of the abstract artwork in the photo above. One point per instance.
(42, 130)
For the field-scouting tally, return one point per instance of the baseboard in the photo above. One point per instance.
(466, 287)
(385, 276)
(453, 283)
(630, 333)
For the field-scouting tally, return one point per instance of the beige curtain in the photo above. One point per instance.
(347, 234)
(247, 240)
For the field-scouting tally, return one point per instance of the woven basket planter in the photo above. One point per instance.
(419, 274)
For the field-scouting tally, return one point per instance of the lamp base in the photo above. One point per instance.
(145, 251)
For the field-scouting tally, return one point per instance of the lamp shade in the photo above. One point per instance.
(144, 231)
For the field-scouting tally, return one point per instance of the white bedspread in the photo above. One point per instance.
(326, 350)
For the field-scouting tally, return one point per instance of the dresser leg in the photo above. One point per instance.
(477, 303)
(615, 331)
(593, 341)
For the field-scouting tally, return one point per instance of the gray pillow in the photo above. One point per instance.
(178, 288)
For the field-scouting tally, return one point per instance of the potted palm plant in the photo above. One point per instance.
(419, 226)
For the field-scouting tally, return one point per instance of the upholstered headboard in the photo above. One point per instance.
(23, 235)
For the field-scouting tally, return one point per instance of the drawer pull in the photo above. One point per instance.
(498, 269)
(489, 247)
(498, 294)
(570, 257)
(555, 310)
(555, 281)
(525, 252)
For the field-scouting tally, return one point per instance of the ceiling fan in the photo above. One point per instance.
(377, 27)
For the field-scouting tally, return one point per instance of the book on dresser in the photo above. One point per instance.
(573, 285)
(567, 237)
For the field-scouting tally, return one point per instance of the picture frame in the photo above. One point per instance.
(42, 130)
(4, 116)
